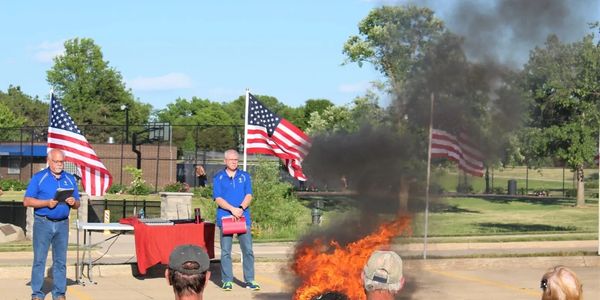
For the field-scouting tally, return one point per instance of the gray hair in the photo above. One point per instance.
(231, 151)
(371, 285)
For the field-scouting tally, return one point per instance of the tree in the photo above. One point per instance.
(393, 39)
(32, 110)
(215, 127)
(91, 90)
(563, 83)
(9, 120)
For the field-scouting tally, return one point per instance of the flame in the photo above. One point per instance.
(325, 268)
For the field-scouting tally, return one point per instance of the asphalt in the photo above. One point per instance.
(442, 276)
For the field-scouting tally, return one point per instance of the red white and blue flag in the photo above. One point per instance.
(270, 134)
(63, 134)
(460, 150)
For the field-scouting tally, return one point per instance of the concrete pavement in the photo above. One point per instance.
(441, 278)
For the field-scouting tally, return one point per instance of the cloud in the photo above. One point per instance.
(47, 51)
(354, 87)
(171, 81)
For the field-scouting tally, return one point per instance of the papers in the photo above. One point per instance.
(62, 194)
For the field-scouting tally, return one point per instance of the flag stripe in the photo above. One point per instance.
(267, 133)
(63, 134)
(460, 150)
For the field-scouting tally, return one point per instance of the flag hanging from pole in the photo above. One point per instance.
(460, 150)
(63, 134)
(272, 135)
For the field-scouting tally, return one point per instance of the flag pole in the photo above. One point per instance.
(246, 128)
(599, 192)
(428, 180)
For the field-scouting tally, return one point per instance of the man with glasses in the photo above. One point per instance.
(232, 191)
(51, 223)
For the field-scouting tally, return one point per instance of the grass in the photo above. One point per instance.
(512, 216)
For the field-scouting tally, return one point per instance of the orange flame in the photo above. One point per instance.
(340, 270)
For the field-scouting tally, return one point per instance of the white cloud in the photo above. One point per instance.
(46, 51)
(171, 81)
(354, 87)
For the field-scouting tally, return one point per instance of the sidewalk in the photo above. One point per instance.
(438, 277)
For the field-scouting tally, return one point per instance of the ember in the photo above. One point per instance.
(331, 267)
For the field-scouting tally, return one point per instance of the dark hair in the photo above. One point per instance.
(331, 296)
(184, 284)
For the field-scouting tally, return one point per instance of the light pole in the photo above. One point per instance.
(126, 109)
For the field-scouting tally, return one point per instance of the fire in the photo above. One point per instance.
(324, 268)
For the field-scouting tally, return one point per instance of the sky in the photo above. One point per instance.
(208, 49)
(214, 50)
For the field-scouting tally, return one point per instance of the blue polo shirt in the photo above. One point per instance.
(43, 186)
(233, 190)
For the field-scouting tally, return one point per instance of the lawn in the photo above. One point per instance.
(510, 216)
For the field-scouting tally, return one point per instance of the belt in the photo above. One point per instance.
(51, 220)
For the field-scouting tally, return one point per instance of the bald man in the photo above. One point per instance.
(51, 223)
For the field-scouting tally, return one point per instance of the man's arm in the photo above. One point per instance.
(36, 203)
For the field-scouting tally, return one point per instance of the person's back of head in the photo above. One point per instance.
(561, 283)
(383, 273)
(331, 296)
(188, 271)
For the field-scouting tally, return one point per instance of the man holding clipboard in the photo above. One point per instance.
(52, 192)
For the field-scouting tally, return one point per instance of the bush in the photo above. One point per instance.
(464, 188)
(116, 188)
(138, 184)
(12, 185)
(177, 187)
(571, 193)
(203, 192)
(273, 205)
(498, 190)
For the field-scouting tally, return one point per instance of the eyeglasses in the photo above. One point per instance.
(58, 161)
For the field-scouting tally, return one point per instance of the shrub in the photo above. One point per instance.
(138, 184)
(177, 187)
(273, 206)
(464, 188)
(116, 188)
(571, 192)
(498, 190)
(203, 192)
(12, 185)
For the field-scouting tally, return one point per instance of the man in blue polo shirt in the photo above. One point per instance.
(232, 191)
(51, 223)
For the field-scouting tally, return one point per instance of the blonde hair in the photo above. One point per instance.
(560, 283)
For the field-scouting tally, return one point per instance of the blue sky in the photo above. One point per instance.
(210, 49)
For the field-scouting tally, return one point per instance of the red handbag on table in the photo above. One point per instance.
(231, 226)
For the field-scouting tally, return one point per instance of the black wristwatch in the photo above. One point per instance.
(241, 207)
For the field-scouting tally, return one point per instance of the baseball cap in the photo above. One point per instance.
(384, 267)
(189, 253)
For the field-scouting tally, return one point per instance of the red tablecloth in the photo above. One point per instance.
(154, 243)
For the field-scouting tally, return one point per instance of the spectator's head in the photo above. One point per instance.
(200, 170)
(383, 273)
(188, 271)
(560, 283)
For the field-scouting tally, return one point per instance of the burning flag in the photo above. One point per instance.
(333, 268)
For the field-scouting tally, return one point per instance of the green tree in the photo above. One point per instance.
(9, 120)
(92, 91)
(33, 110)
(203, 123)
(393, 39)
(563, 82)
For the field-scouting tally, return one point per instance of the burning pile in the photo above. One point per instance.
(325, 268)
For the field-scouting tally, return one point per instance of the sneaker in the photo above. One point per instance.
(253, 285)
(227, 286)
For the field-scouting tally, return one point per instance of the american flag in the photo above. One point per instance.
(460, 150)
(272, 135)
(65, 135)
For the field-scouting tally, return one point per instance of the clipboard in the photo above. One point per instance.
(62, 194)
